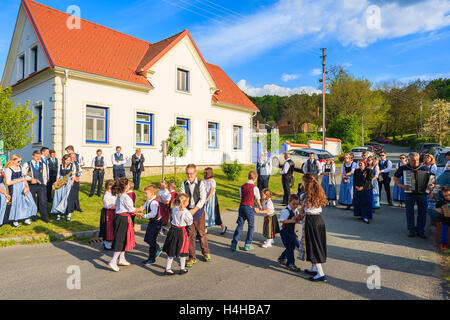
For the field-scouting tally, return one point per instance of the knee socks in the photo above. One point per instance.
(169, 263)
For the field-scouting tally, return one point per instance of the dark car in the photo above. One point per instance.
(377, 148)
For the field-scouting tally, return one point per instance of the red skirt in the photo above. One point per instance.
(110, 215)
(177, 242)
(164, 213)
(123, 233)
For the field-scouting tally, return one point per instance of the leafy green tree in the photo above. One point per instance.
(177, 147)
(16, 122)
(346, 127)
(438, 123)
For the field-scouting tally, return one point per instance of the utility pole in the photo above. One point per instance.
(323, 94)
(421, 121)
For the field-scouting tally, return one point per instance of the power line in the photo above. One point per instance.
(228, 11)
(192, 11)
(205, 10)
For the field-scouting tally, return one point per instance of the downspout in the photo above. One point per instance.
(251, 134)
(66, 76)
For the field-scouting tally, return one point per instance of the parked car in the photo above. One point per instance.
(427, 147)
(441, 159)
(378, 148)
(358, 152)
(299, 157)
(382, 139)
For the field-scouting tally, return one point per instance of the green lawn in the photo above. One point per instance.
(228, 195)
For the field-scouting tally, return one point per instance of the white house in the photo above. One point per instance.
(95, 88)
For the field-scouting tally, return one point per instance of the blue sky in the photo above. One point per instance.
(273, 46)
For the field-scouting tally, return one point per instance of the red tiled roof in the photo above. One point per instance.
(228, 92)
(99, 50)
(92, 48)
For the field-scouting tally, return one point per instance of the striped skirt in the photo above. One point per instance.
(271, 226)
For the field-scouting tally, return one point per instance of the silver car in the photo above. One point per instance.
(441, 160)
(358, 152)
(299, 157)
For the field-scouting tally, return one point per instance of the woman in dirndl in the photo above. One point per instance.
(399, 193)
(5, 198)
(63, 199)
(177, 241)
(328, 181)
(346, 188)
(107, 216)
(123, 225)
(23, 207)
(372, 163)
(271, 226)
(315, 232)
(212, 211)
(363, 196)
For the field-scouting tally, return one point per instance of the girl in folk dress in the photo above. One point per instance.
(5, 198)
(212, 210)
(315, 232)
(399, 193)
(107, 216)
(328, 181)
(63, 199)
(23, 206)
(177, 241)
(123, 226)
(164, 203)
(430, 163)
(372, 163)
(270, 226)
(346, 189)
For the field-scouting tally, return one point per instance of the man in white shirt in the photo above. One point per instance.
(197, 197)
(286, 177)
(384, 179)
(312, 165)
(36, 173)
(264, 170)
(99, 166)
(76, 182)
(118, 161)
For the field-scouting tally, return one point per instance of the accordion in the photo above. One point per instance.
(417, 181)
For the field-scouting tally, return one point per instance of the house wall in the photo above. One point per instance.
(165, 103)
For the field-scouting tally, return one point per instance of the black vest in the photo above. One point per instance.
(99, 163)
(52, 168)
(195, 196)
(290, 227)
(385, 175)
(39, 173)
(291, 167)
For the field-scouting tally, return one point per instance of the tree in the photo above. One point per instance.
(15, 122)
(437, 124)
(346, 127)
(177, 145)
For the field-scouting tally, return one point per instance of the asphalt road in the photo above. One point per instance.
(409, 268)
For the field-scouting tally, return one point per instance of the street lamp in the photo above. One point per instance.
(362, 123)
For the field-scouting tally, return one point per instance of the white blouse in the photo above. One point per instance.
(268, 204)
(344, 165)
(209, 185)
(164, 195)
(313, 210)
(124, 204)
(109, 200)
(181, 218)
(8, 173)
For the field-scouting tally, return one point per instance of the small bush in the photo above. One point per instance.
(232, 170)
(170, 178)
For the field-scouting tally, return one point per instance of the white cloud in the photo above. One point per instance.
(424, 77)
(272, 89)
(316, 72)
(346, 65)
(296, 22)
(288, 77)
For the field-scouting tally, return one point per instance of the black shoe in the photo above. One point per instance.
(91, 195)
(323, 279)
(391, 204)
(183, 271)
(225, 230)
(46, 221)
(293, 268)
(282, 261)
(79, 210)
(313, 273)
(421, 235)
(411, 234)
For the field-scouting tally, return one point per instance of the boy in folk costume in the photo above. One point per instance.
(151, 209)
(164, 198)
(248, 193)
(99, 166)
(288, 219)
(36, 173)
(196, 191)
(312, 165)
(53, 167)
(76, 182)
(118, 161)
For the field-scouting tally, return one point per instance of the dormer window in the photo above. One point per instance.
(34, 59)
(182, 80)
(21, 67)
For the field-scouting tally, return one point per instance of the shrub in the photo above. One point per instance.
(232, 170)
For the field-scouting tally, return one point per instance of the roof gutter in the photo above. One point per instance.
(66, 77)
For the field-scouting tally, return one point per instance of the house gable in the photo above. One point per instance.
(25, 45)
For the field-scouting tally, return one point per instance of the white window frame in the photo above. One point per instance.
(217, 132)
(94, 129)
(36, 59)
(151, 123)
(240, 147)
(21, 76)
